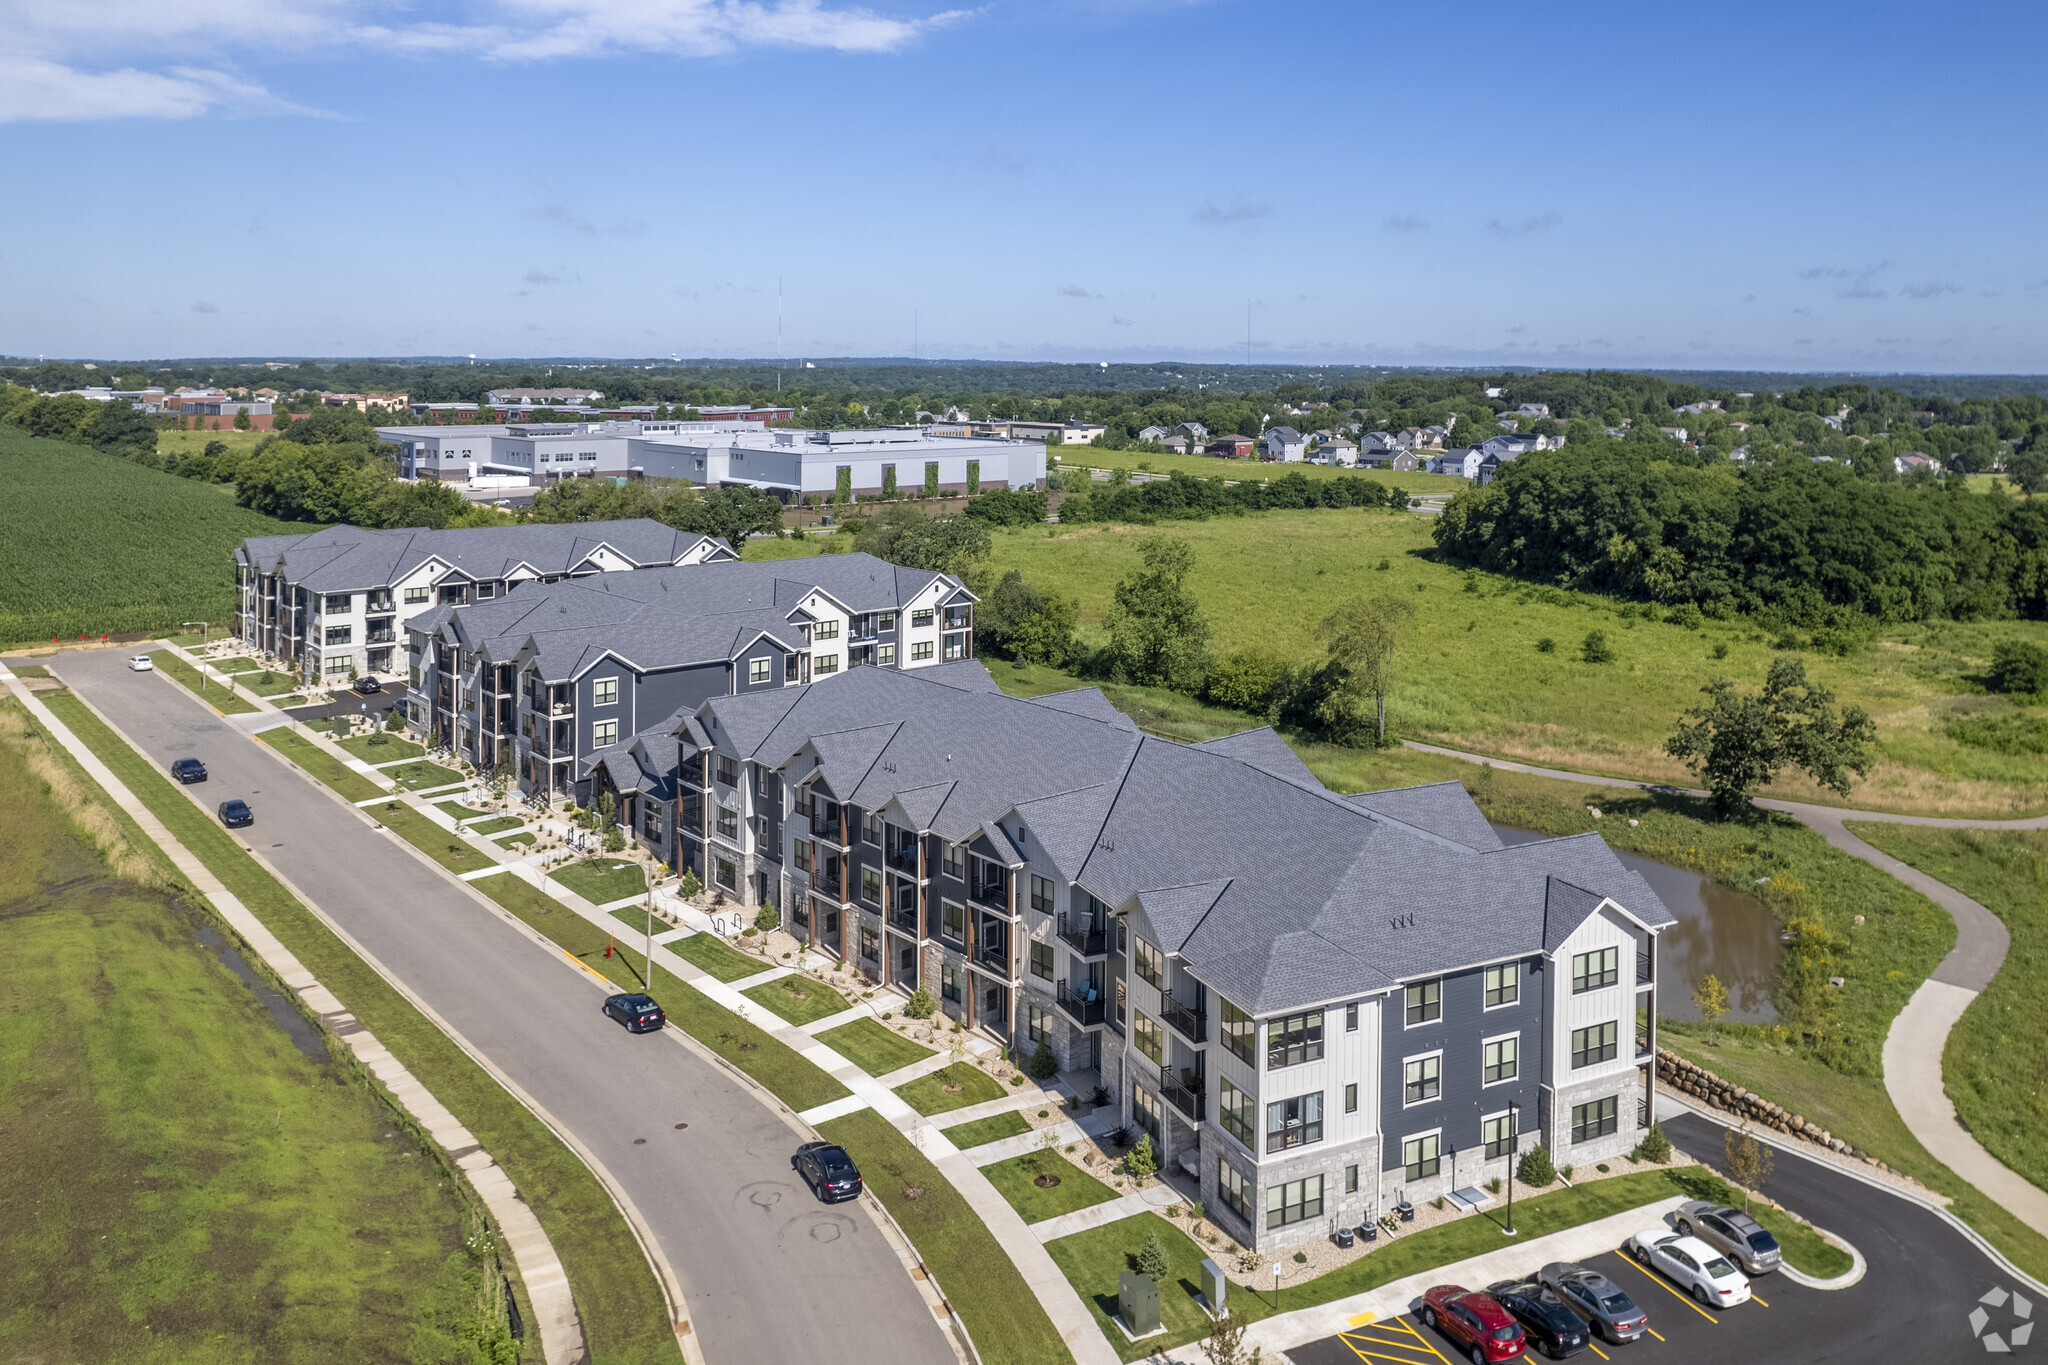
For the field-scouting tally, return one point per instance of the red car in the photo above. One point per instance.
(1475, 1322)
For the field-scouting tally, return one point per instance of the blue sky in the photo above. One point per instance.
(1780, 186)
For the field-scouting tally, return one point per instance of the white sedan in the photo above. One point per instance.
(141, 663)
(1704, 1272)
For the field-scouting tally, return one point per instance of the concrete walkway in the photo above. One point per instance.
(1918, 1036)
(1094, 1216)
(540, 1269)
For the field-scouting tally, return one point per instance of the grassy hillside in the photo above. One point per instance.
(90, 544)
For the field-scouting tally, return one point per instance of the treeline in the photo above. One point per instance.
(1803, 541)
(1183, 497)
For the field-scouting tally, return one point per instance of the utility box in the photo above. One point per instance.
(1138, 1298)
(1212, 1287)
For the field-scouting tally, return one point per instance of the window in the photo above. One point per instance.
(800, 854)
(871, 886)
(728, 770)
(871, 828)
(338, 664)
(650, 819)
(1294, 1123)
(1146, 960)
(1351, 1098)
(1294, 1201)
(485, 591)
(604, 733)
(1236, 1108)
(1041, 959)
(604, 692)
(1422, 1079)
(1503, 985)
(1297, 1038)
(728, 823)
(338, 603)
(1425, 1002)
(1041, 894)
(1502, 1060)
(1240, 1034)
(1591, 1046)
(956, 646)
(1145, 1034)
(1038, 1024)
(921, 618)
(821, 664)
(1351, 1180)
(952, 859)
(1118, 1017)
(1591, 971)
(1235, 1189)
(920, 650)
(953, 921)
(728, 875)
(451, 592)
(415, 596)
(825, 630)
(949, 983)
(886, 621)
(870, 943)
(1596, 1119)
(885, 655)
(1420, 1156)
(758, 671)
(1498, 1133)
(339, 635)
(1351, 1018)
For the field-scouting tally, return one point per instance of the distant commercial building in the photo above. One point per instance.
(363, 402)
(740, 412)
(527, 398)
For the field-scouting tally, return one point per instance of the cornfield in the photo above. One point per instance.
(91, 544)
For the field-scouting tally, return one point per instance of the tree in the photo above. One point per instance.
(768, 918)
(1225, 1343)
(1361, 636)
(1536, 1169)
(1017, 621)
(1596, 650)
(931, 478)
(242, 422)
(2028, 469)
(1735, 743)
(502, 774)
(948, 544)
(1749, 1162)
(1044, 1066)
(733, 513)
(1158, 636)
(1710, 998)
(889, 481)
(427, 503)
(2019, 666)
(1152, 1258)
(921, 1004)
(690, 886)
(1249, 680)
(1142, 1160)
(842, 491)
(1656, 1146)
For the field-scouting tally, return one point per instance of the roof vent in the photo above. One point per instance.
(1406, 921)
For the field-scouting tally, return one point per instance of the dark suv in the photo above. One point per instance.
(188, 770)
(828, 1170)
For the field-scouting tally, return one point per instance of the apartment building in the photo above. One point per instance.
(557, 673)
(338, 600)
(1316, 1005)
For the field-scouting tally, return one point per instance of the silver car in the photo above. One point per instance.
(1597, 1299)
(1733, 1233)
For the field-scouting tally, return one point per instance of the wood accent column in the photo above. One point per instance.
(1016, 924)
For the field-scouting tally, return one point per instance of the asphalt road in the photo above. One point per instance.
(1912, 1305)
(768, 1274)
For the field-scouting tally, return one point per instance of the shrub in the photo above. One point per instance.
(1141, 1160)
(1043, 1064)
(690, 885)
(1656, 1146)
(1721, 649)
(768, 918)
(1152, 1258)
(1536, 1169)
(921, 1004)
(1546, 645)
(1596, 650)
(2019, 666)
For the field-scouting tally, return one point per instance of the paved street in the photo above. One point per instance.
(1913, 1304)
(768, 1274)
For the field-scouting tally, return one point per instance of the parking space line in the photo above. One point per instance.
(1658, 1280)
(1654, 1332)
(1412, 1330)
(1374, 1355)
(1595, 1349)
(1754, 1299)
(1355, 1340)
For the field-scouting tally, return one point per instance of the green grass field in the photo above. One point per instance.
(974, 1272)
(323, 765)
(1995, 1067)
(186, 1183)
(625, 1316)
(210, 690)
(930, 1095)
(1209, 466)
(1017, 1181)
(500, 825)
(195, 442)
(873, 1046)
(716, 956)
(91, 544)
(602, 880)
(799, 999)
(423, 776)
(981, 1132)
(445, 848)
(378, 747)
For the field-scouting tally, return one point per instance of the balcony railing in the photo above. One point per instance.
(381, 637)
(825, 827)
(1191, 1023)
(1643, 1048)
(1643, 974)
(1080, 1010)
(995, 956)
(904, 917)
(903, 859)
(992, 892)
(1083, 935)
(1189, 1102)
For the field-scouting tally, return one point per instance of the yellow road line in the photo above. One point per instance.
(1653, 1331)
(1594, 1349)
(1374, 1355)
(1354, 1340)
(1754, 1299)
(1413, 1331)
(1658, 1280)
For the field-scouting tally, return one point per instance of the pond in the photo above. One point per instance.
(1719, 930)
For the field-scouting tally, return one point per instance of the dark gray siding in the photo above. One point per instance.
(663, 694)
(742, 667)
(1460, 1033)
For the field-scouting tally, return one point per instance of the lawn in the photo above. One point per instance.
(140, 1178)
(516, 841)
(379, 747)
(624, 1313)
(1017, 1180)
(930, 1094)
(873, 1046)
(498, 826)
(776, 1065)
(716, 956)
(442, 846)
(320, 763)
(455, 810)
(415, 777)
(1469, 673)
(270, 684)
(212, 691)
(798, 998)
(602, 880)
(981, 1132)
(1997, 1057)
(975, 1274)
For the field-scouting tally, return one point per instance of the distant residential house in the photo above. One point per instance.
(1400, 461)
(1433, 437)
(1233, 447)
(1334, 450)
(1913, 459)
(1832, 423)
(1675, 433)
(1704, 405)
(1155, 433)
(1507, 424)
(1284, 444)
(1377, 440)
(1740, 454)
(1510, 446)
(1490, 465)
(1534, 409)
(1494, 392)
(1195, 430)
(1418, 438)
(1179, 445)
(363, 402)
(1463, 461)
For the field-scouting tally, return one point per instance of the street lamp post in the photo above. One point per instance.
(1514, 1145)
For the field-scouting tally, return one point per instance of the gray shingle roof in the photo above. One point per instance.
(1265, 750)
(353, 558)
(1442, 808)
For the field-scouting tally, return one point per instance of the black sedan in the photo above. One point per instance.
(188, 770)
(1552, 1328)
(236, 813)
(828, 1170)
(637, 1012)
(367, 686)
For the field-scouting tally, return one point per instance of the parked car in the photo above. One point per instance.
(1597, 1299)
(1700, 1270)
(188, 770)
(235, 813)
(367, 686)
(1734, 1233)
(141, 663)
(1477, 1325)
(1552, 1328)
(637, 1012)
(828, 1170)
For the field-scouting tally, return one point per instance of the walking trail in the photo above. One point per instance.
(1914, 1045)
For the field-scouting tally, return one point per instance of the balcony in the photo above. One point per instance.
(1644, 976)
(902, 859)
(381, 637)
(1643, 1048)
(1190, 1023)
(1190, 1102)
(1081, 1011)
(903, 917)
(1084, 935)
(826, 825)
(993, 955)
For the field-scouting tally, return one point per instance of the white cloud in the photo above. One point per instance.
(1238, 211)
(35, 90)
